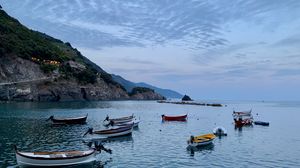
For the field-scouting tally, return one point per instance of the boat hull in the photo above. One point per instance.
(27, 161)
(135, 123)
(174, 118)
(200, 144)
(201, 140)
(121, 131)
(261, 123)
(79, 120)
(117, 122)
(245, 122)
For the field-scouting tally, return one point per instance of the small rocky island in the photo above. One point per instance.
(186, 98)
(37, 67)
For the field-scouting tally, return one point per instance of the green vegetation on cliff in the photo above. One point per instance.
(50, 53)
(140, 90)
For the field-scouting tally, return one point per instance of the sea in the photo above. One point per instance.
(155, 143)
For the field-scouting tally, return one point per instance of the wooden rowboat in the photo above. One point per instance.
(51, 159)
(242, 118)
(174, 118)
(121, 120)
(78, 120)
(113, 132)
(135, 123)
(201, 140)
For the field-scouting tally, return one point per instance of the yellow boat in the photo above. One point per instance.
(201, 140)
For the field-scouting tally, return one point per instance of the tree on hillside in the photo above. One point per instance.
(0, 7)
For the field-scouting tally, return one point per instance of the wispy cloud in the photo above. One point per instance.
(289, 41)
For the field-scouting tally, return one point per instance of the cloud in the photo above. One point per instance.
(148, 22)
(289, 41)
(197, 42)
(287, 72)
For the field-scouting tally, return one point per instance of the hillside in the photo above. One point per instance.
(128, 85)
(37, 67)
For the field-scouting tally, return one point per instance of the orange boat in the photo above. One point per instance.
(174, 118)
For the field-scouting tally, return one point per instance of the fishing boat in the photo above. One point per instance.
(220, 131)
(121, 120)
(242, 118)
(78, 120)
(261, 123)
(201, 140)
(135, 123)
(58, 159)
(113, 131)
(174, 118)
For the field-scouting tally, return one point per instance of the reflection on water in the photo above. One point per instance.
(200, 149)
(156, 144)
(93, 139)
(94, 164)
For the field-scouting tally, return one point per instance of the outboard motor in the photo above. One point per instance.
(50, 118)
(99, 147)
(192, 139)
(89, 131)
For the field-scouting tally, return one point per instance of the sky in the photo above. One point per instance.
(208, 49)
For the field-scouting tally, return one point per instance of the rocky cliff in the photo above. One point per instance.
(37, 67)
(142, 93)
(128, 85)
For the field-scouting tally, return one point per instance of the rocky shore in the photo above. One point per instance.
(50, 91)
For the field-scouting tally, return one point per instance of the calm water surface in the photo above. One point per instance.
(157, 144)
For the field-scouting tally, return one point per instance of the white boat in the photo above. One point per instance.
(201, 140)
(242, 118)
(113, 131)
(220, 131)
(121, 120)
(51, 159)
(135, 123)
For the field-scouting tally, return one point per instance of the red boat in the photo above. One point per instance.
(242, 118)
(243, 122)
(174, 118)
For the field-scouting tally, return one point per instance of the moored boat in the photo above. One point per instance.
(220, 131)
(174, 118)
(135, 123)
(261, 123)
(58, 159)
(113, 132)
(242, 118)
(121, 120)
(77, 120)
(51, 159)
(201, 140)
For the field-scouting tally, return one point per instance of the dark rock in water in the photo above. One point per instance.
(186, 98)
